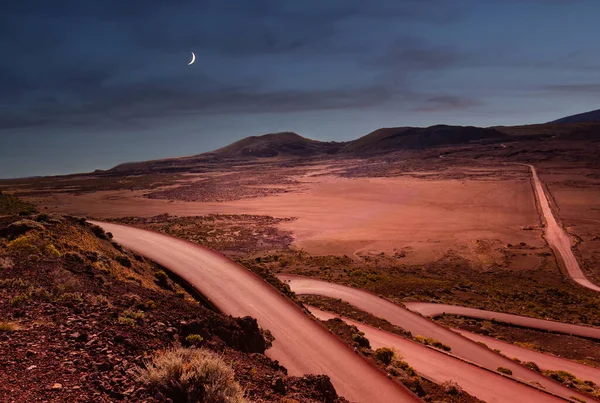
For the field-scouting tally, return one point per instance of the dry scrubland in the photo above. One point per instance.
(453, 224)
(82, 319)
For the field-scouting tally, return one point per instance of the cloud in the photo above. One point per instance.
(127, 105)
(409, 54)
(446, 103)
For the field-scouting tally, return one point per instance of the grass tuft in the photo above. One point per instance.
(192, 375)
(9, 327)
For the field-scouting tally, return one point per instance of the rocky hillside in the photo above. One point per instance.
(276, 145)
(415, 138)
(81, 319)
(587, 117)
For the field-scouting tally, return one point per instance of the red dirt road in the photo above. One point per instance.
(558, 239)
(419, 325)
(543, 360)
(433, 310)
(439, 367)
(301, 344)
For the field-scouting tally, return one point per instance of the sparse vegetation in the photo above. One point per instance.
(12, 205)
(162, 278)
(503, 370)
(192, 375)
(452, 388)
(429, 341)
(123, 320)
(9, 327)
(137, 315)
(19, 300)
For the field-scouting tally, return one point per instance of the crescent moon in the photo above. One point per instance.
(193, 59)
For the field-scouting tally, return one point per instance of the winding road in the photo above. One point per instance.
(433, 310)
(419, 325)
(439, 367)
(304, 346)
(557, 238)
(301, 344)
(543, 360)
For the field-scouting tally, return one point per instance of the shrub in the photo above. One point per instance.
(361, 340)
(429, 341)
(532, 366)
(129, 313)
(13, 283)
(404, 366)
(65, 282)
(123, 261)
(560, 376)
(19, 299)
(162, 278)
(74, 257)
(384, 355)
(527, 345)
(452, 388)
(100, 300)
(22, 244)
(99, 232)
(150, 305)
(9, 327)
(180, 294)
(504, 370)
(194, 339)
(437, 344)
(126, 321)
(192, 375)
(6, 263)
(131, 299)
(51, 250)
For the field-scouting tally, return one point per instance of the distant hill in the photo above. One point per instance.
(587, 117)
(276, 145)
(413, 138)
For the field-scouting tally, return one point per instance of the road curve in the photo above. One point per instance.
(419, 325)
(432, 310)
(557, 238)
(439, 367)
(543, 360)
(302, 345)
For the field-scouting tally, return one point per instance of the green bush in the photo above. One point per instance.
(384, 355)
(194, 339)
(22, 244)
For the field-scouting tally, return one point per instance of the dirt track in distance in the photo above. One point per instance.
(481, 383)
(558, 239)
(418, 325)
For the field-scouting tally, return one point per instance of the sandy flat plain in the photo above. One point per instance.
(424, 218)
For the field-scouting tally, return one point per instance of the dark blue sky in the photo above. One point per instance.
(89, 84)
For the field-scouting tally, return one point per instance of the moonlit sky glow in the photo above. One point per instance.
(90, 84)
